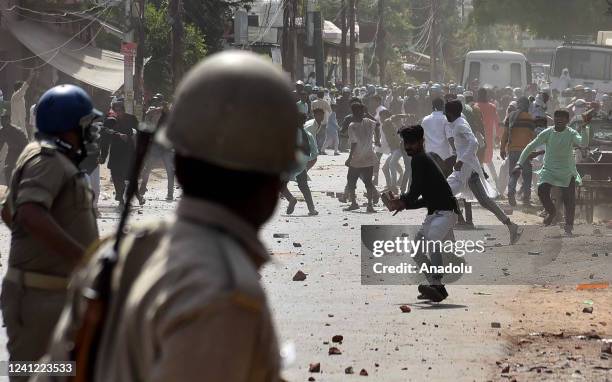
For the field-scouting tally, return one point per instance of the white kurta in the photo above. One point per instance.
(466, 145)
(18, 108)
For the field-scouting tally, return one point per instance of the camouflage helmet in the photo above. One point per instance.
(230, 109)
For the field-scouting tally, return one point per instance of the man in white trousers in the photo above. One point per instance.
(467, 172)
(428, 189)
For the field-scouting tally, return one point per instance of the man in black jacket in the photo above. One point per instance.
(117, 143)
(428, 189)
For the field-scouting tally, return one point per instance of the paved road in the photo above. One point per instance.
(453, 341)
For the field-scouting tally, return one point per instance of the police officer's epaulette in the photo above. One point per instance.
(48, 148)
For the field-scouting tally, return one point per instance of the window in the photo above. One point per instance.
(515, 75)
(583, 64)
(253, 20)
(474, 72)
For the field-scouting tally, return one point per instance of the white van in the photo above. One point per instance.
(588, 65)
(496, 68)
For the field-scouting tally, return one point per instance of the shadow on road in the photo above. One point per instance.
(435, 305)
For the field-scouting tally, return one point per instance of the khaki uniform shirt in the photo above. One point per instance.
(46, 177)
(186, 304)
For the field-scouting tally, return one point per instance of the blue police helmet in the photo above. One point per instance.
(61, 108)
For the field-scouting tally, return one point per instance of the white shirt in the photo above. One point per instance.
(437, 131)
(312, 127)
(18, 108)
(384, 146)
(466, 144)
(320, 103)
(362, 134)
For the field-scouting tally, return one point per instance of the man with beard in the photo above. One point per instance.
(117, 143)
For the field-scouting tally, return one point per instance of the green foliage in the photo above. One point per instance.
(157, 46)
(211, 17)
(398, 29)
(545, 18)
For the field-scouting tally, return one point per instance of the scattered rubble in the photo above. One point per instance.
(405, 309)
(299, 276)
(349, 370)
(363, 373)
(588, 309)
(314, 367)
(495, 325)
(334, 351)
(337, 339)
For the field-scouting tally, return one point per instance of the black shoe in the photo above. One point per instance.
(548, 219)
(141, 199)
(352, 207)
(442, 290)
(169, 198)
(291, 206)
(435, 293)
(421, 296)
(512, 200)
(313, 213)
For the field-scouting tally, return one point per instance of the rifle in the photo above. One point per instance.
(97, 296)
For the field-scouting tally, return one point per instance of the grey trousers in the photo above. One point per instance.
(477, 188)
(513, 157)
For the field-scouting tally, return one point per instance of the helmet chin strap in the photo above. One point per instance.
(75, 155)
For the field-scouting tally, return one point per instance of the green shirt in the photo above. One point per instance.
(559, 160)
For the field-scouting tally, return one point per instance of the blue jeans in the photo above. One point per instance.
(527, 173)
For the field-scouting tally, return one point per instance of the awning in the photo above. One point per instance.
(100, 68)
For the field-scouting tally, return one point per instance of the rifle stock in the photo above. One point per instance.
(89, 334)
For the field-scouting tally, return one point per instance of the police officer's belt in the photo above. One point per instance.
(36, 280)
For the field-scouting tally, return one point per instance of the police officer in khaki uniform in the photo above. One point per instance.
(48, 208)
(187, 304)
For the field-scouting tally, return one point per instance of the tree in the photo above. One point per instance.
(545, 18)
(397, 30)
(211, 17)
(157, 74)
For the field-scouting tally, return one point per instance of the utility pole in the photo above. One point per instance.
(139, 70)
(351, 21)
(343, 62)
(380, 42)
(128, 59)
(318, 47)
(298, 69)
(434, 40)
(287, 41)
(175, 11)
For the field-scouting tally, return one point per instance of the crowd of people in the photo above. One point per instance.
(434, 143)
(504, 123)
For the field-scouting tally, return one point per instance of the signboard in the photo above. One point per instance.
(128, 49)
